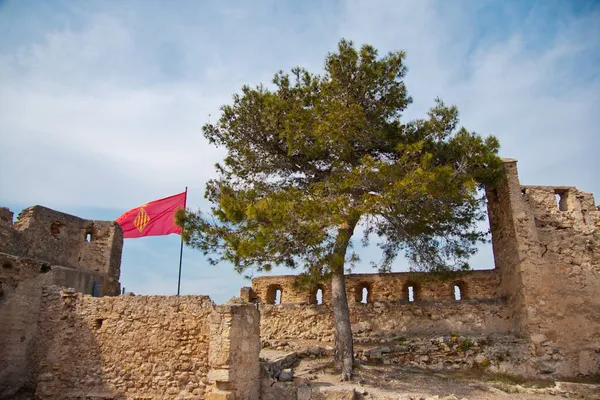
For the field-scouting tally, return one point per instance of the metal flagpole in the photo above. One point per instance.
(181, 248)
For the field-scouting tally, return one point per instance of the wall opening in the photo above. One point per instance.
(7, 265)
(89, 233)
(45, 268)
(319, 296)
(457, 293)
(411, 292)
(316, 295)
(98, 323)
(55, 228)
(561, 200)
(274, 294)
(557, 197)
(362, 293)
(459, 290)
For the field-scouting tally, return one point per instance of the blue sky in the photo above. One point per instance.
(101, 102)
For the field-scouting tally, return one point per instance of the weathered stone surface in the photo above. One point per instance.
(45, 247)
(61, 239)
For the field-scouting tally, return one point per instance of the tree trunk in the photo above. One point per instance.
(344, 349)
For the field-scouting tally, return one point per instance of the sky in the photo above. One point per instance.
(102, 102)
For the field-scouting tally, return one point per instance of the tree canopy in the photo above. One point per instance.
(313, 156)
(311, 153)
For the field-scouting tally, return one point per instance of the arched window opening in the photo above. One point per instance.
(274, 294)
(319, 296)
(316, 295)
(362, 293)
(89, 233)
(365, 295)
(459, 290)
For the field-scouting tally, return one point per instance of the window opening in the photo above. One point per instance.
(411, 293)
(7, 265)
(558, 198)
(319, 296)
(274, 293)
(55, 228)
(88, 237)
(457, 293)
(365, 295)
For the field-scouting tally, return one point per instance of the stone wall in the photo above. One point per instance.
(315, 322)
(21, 285)
(234, 353)
(385, 287)
(558, 241)
(151, 347)
(62, 239)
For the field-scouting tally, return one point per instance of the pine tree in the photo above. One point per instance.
(314, 156)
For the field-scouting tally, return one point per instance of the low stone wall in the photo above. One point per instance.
(150, 347)
(314, 322)
(384, 287)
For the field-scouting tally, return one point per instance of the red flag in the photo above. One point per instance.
(153, 219)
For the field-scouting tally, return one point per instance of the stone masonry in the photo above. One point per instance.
(151, 347)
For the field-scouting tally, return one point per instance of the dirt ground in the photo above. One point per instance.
(387, 382)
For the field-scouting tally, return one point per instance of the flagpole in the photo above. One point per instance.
(181, 248)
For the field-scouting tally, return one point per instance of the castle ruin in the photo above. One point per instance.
(65, 332)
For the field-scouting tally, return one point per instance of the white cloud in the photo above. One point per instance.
(104, 107)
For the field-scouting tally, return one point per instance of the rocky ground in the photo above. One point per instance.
(306, 368)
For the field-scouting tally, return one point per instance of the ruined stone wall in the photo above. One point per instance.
(21, 285)
(234, 353)
(151, 347)
(385, 287)
(558, 240)
(132, 346)
(501, 215)
(315, 322)
(62, 239)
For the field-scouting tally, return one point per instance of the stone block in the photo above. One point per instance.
(220, 395)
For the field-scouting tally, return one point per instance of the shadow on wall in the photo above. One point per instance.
(107, 345)
(64, 337)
